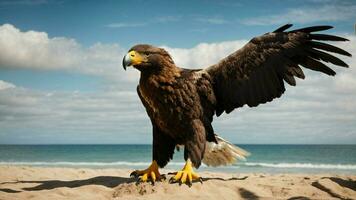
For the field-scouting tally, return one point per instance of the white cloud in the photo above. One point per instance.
(204, 54)
(108, 116)
(307, 15)
(35, 50)
(6, 85)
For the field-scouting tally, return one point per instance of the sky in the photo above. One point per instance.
(61, 79)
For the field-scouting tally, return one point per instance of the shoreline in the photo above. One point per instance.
(276, 169)
(26, 182)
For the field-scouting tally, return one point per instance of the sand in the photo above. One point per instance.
(22, 182)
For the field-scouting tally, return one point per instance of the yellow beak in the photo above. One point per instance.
(132, 58)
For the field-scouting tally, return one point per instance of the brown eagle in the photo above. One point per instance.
(181, 102)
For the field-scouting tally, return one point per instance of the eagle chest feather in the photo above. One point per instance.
(170, 101)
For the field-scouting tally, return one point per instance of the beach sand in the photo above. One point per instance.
(22, 182)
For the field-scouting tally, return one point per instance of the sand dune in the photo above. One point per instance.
(18, 182)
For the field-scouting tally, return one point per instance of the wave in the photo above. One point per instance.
(302, 165)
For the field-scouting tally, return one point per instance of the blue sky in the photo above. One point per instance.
(61, 79)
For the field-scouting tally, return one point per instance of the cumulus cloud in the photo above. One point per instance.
(204, 54)
(6, 85)
(306, 15)
(36, 50)
(74, 117)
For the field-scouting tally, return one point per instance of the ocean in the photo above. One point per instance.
(337, 159)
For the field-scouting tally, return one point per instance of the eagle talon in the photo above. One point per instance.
(171, 180)
(151, 174)
(189, 184)
(185, 176)
(162, 177)
(134, 174)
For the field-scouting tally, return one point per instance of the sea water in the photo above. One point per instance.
(338, 159)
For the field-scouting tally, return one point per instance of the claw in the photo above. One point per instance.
(186, 175)
(163, 177)
(150, 174)
(134, 174)
(189, 184)
(172, 180)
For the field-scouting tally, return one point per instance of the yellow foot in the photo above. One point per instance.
(186, 175)
(150, 174)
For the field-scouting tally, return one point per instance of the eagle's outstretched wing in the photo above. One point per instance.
(256, 73)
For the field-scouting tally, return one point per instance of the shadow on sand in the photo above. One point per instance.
(247, 194)
(107, 181)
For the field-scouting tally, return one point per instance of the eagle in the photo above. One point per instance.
(181, 103)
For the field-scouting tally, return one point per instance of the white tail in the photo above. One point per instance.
(223, 153)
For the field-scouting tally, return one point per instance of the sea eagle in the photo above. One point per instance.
(181, 102)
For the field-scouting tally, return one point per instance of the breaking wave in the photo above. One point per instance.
(301, 165)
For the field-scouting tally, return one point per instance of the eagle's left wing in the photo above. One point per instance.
(256, 73)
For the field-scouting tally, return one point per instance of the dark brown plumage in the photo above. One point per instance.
(181, 102)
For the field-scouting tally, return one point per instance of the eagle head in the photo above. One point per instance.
(147, 57)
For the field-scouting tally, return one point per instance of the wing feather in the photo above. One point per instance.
(312, 29)
(317, 66)
(283, 28)
(320, 55)
(325, 37)
(328, 47)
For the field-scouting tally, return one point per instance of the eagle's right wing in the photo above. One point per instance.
(256, 73)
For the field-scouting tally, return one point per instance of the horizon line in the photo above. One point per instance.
(151, 144)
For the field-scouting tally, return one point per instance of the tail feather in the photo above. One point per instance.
(223, 153)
